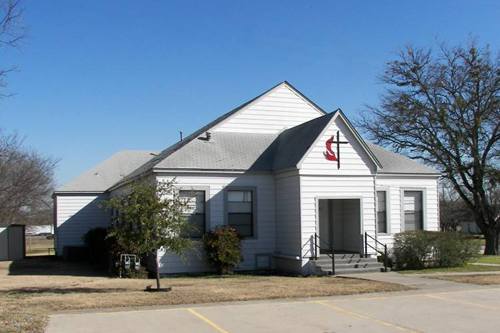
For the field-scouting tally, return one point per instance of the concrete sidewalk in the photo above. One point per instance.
(438, 306)
(421, 282)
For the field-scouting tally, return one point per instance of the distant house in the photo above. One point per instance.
(290, 177)
(33, 230)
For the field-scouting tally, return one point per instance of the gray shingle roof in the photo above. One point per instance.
(397, 163)
(245, 151)
(224, 151)
(268, 152)
(232, 151)
(108, 172)
(293, 143)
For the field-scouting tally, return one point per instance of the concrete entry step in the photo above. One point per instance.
(342, 255)
(358, 270)
(346, 263)
(328, 260)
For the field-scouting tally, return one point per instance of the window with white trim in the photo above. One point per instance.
(413, 210)
(240, 214)
(382, 212)
(194, 211)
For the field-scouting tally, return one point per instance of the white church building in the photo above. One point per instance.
(295, 181)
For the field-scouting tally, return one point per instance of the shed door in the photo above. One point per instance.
(16, 242)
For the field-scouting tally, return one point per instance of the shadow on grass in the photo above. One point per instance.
(51, 265)
(62, 291)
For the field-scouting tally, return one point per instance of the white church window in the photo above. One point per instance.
(413, 212)
(194, 211)
(382, 212)
(240, 211)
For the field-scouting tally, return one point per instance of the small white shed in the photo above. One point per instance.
(12, 242)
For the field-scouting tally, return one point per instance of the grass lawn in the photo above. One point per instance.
(33, 288)
(481, 279)
(489, 260)
(467, 268)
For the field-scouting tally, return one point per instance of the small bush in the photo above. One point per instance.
(223, 248)
(390, 260)
(454, 249)
(421, 249)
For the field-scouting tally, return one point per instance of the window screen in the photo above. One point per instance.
(194, 212)
(240, 211)
(413, 210)
(382, 211)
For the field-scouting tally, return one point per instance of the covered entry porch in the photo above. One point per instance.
(339, 242)
(339, 225)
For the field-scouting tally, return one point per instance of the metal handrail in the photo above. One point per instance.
(317, 247)
(384, 253)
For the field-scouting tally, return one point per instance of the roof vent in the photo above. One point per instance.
(207, 136)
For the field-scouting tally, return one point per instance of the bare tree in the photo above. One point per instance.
(444, 109)
(453, 212)
(11, 31)
(26, 181)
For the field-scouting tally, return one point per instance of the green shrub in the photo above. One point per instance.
(411, 249)
(223, 248)
(420, 249)
(454, 249)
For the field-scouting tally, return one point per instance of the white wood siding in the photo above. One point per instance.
(287, 219)
(279, 109)
(395, 186)
(353, 159)
(77, 214)
(4, 244)
(331, 187)
(262, 243)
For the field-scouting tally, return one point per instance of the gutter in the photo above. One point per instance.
(76, 192)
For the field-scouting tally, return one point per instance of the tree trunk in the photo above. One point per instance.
(491, 238)
(157, 272)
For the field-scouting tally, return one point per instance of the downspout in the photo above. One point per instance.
(375, 206)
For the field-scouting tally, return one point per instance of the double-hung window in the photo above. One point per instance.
(194, 211)
(413, 211)
(240, 211)
(382, 212)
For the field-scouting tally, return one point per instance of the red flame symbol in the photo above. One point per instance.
(329, 154)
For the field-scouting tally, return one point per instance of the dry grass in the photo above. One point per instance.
(27, 297)
(481, 279)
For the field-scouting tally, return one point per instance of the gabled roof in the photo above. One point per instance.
(393, 163)
(293, 143)
(154, 163)
(107, 173)
(360, 139)
(226, 151)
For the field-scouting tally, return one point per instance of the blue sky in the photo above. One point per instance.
(96, 77)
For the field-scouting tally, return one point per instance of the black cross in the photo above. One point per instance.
(338, 142)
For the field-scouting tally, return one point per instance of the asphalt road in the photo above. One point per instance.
(467, 309)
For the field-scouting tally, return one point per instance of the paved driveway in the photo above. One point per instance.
(460, 309)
